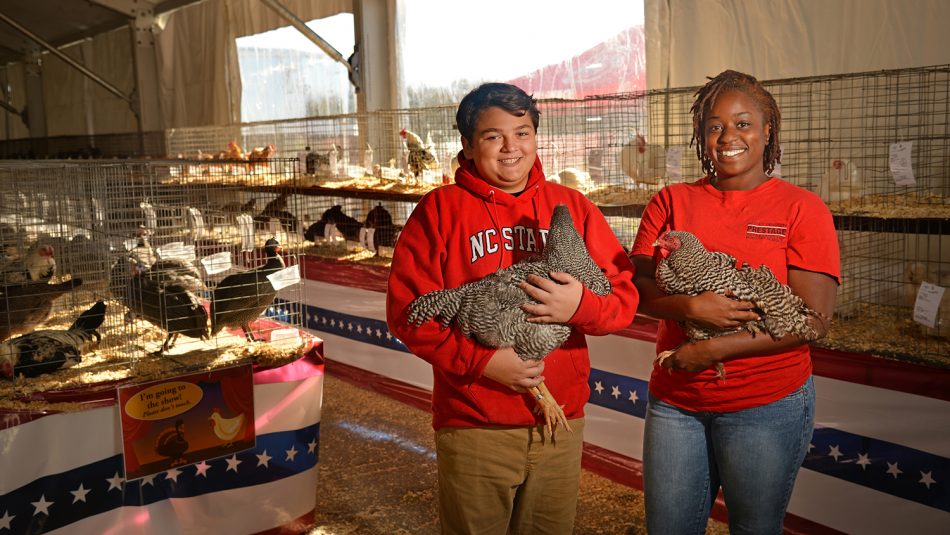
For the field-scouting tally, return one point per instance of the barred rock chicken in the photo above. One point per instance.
(489, 310)
(240, 298)
(688, 268)
(48, 350)
(420, 156)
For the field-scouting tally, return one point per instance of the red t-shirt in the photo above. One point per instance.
(776, 224)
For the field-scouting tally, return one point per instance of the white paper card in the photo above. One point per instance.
(246, 229)
(196, 223)
(367, 236)
(130, 244)
(177, 250)
(151, 217)
(217, 262)
(301, 163)
(285, 334)
(285, 277)
(927, 304)
(899, 160)
(674, 164)
(97, 208)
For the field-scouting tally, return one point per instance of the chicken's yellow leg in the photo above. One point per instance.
(553, 413)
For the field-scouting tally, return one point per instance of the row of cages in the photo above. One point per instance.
(107, 274)
(874, 144)
(106, 223)
(343, 186)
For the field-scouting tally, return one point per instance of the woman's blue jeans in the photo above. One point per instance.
(754, 454)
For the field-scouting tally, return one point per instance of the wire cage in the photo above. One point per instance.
(874, 146)
(178, 252)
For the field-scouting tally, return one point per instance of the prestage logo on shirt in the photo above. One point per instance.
(766, 231)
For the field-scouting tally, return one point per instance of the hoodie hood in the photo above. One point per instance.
(468, 177)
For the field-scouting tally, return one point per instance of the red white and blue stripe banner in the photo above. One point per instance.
(63, 473)
(879, 460)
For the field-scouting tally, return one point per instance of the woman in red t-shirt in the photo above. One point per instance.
(748, 433)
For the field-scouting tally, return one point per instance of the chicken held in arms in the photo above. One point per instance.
(688, 268)
(489, 310)
(242, 297)
(48, 350)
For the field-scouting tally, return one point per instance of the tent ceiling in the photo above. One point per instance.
(61, 23)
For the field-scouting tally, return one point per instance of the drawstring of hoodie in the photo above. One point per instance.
(493, 215)
(491, 206)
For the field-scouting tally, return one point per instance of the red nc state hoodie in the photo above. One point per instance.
(462, 232)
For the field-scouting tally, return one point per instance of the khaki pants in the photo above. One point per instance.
(508, 480)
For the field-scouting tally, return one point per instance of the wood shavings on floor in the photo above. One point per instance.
(128, 353)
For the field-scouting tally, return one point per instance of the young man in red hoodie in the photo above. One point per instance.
(498, 471)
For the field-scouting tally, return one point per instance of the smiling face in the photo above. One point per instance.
(736, 132)
(503, 148)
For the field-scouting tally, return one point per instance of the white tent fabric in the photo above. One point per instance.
(197, 69)
(688, 40)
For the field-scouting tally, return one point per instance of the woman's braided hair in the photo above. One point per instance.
(735, 81)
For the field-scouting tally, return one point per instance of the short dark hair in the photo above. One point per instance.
(508, 97)
(745, 83)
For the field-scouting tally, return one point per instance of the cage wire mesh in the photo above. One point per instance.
(357, 177)
(181, 265)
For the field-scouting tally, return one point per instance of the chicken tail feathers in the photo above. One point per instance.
(91, 319)
(441, 304)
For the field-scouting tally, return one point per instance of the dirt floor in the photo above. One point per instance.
(377, 473)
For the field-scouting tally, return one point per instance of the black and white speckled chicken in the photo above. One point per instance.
(48, 350)
(688, 268)
(420, 157)
(241, 298)
(489, 310)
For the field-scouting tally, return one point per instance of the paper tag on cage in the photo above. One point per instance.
(130, 244)
(217, 262)
(329, 231)
(928, 303)
(901, 164)
(177, 250)
(151, 217)
(97, 210)
(246, 230)
(674, 164)
(196, 223)
(285, 277)
(367, 236)
(285, 335)
(301, 163)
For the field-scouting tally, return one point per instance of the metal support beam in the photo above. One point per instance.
(69, 61)
(35, 106)
(327, 48)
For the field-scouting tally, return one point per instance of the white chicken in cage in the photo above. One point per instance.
(642, 162)
(842, 182)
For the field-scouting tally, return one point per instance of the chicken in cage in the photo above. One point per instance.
(111, 271)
